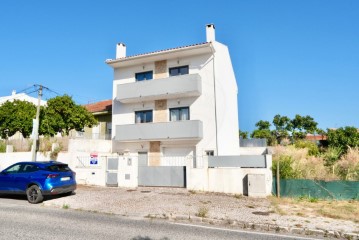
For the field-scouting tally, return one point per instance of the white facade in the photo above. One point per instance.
(21, 97)
(212, 125)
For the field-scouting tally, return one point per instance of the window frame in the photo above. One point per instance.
(143, 111)
(138, 73)
(179, 108)
(179, 67)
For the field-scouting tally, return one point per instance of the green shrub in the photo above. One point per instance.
(313, 149)
(2, 146)
(286, 170)
(331, 156)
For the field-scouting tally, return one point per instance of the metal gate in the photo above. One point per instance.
(162, 176)
(112, 172)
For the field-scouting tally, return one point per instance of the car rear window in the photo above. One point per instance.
(59, 168)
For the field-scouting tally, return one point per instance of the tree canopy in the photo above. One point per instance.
(343, 138)
(16, 116)
(295, 129)
(61, 114)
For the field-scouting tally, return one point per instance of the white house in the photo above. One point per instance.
(21, 97)
(175, 102)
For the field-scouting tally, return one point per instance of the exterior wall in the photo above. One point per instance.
(226, 98)
(201, 108)
(160, 69)
(160, 113)
(226, 180)
(155, 154)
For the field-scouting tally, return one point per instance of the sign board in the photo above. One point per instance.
(93, 159)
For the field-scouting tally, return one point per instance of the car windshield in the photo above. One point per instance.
(58, 168)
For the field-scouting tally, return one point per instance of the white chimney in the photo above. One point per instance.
(210, 33)
(120, 50)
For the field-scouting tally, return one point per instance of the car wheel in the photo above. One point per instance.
(34, 194)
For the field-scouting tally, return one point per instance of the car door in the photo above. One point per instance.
(7, 177)
(23, 177)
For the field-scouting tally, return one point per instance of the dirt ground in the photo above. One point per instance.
(172, 203)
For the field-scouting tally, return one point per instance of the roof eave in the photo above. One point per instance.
(117, 62)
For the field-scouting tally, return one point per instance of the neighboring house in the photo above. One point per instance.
(175, 102)
(21, 97)
(102, 111)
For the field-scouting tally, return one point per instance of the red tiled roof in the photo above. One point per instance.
(159, 51)
(101, 106)
(311, 137)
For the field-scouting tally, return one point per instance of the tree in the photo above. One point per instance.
(343, 138)
(263, 131)
(243, 135)
(263, 125)
(300, 126)
(63, 115)
(15, 117)
(282, 125)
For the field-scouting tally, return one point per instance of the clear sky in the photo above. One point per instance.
(290, 56)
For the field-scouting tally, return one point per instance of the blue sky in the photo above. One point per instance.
(290, 57)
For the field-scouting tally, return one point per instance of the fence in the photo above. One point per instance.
(255, 142)
(339, 190)
(245, 161)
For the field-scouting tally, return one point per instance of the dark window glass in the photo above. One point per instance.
(210, 153)
(58, 168)
(30, 168)
(175, 71)
(178, 114)
(143, 116)
(144, 76)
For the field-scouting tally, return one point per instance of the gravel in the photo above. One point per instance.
(179, 203)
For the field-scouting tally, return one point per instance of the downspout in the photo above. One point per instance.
(215, 98)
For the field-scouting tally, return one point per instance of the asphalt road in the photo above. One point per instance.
(21, 220)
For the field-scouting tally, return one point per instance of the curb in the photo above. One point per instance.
(258, 226)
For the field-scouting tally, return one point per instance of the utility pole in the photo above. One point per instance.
(35, 126)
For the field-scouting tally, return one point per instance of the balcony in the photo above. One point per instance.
(189, 85)
(179, 130)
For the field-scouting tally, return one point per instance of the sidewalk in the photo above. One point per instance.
(179, 204)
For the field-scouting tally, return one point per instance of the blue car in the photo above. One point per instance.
(37, 179)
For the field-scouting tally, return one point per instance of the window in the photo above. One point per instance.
(59, 168)
(175, 71)
(144, 76)
(13, 169)
(30, 168)
(178, 114)
(209, 153)
(143, 116)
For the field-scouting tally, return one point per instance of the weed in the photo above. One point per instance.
(192, 191)
(65, 206)
(202, 212)
(238, 196)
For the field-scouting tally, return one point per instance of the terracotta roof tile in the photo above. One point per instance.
(101, 106)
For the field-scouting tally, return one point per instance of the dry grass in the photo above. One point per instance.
(305, 207)
(307, 167)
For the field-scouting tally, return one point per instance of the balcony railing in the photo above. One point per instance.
(179, 130)
(189, 85)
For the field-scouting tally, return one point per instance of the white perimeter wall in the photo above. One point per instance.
(225, 180)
